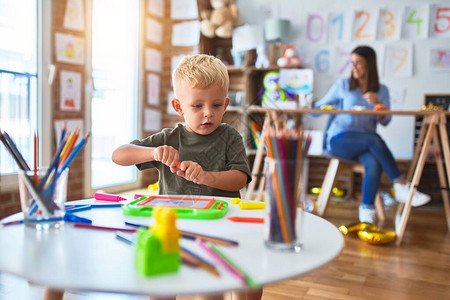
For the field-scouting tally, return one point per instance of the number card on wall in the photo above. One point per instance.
(415, 21)
(399, 60)
(365, 25)
(342, 59)
(316, 28)
(339, 27)
(390, 23)
(440, 24)
(322, 61)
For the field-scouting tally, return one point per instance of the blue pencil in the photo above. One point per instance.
(73, 154)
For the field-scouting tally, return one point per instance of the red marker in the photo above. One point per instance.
(246, 219)
(108, 197)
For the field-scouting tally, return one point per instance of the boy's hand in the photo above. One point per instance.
(191, 171)
(168, 156)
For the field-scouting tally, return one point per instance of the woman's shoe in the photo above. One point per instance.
(402, 193)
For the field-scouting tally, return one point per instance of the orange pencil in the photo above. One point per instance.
(70, 144)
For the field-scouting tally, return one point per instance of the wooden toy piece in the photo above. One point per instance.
(158, 250)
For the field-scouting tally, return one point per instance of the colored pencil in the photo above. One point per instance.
(221, 261)
(12, 149)
(199, 261)
(246, 219)
(90, 226)
(252, 282)
(287, 149)
(193, 236)
(45, 206)
(74, 152)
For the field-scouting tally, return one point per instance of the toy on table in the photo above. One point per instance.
(272, 90)
(158, 249)
(290, 58)
(184, 207)
(252, 205)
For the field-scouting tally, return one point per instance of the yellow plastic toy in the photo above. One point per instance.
(165, 229)
(252, 205)
(235, 200)
(153, 186)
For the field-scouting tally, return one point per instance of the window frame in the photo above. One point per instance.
(8, 183)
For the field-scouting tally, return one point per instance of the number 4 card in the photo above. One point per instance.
(415, 21)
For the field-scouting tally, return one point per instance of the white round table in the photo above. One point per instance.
(72, 258)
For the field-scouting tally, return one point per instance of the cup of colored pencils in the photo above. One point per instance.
(43, 191)
(286, 152)
(43, 207)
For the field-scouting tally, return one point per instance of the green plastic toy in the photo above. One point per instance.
(158, 250)
(184, 207)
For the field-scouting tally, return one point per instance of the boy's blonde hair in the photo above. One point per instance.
(201, 71)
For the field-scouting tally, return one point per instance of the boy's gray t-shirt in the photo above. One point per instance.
(222, 150)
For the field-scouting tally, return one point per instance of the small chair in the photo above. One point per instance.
(330, 178)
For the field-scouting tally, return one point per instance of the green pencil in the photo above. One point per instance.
(253, 283)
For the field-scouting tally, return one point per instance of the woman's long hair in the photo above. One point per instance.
(373, 84)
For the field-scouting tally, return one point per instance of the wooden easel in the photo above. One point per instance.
(433, 127)
(257, 165)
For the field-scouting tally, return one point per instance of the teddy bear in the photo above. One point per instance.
(289, 58)
(219, 21)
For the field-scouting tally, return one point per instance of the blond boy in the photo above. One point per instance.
(202, 156)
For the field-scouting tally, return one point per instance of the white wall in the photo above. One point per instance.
(399, 134)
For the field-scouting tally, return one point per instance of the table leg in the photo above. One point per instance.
(327, 186)
(423, 130)
(50, 294)
(446, 153)
(400, 230)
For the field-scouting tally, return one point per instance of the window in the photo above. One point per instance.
(21, 61)
(115, 93)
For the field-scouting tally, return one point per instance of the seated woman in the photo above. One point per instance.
(354, 137)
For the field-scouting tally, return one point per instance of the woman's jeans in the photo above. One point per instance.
(369, 149)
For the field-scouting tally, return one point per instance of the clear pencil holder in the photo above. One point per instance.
(42, 202)
(284, 210)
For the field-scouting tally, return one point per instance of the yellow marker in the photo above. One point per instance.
(251, 205)
(235, 200)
